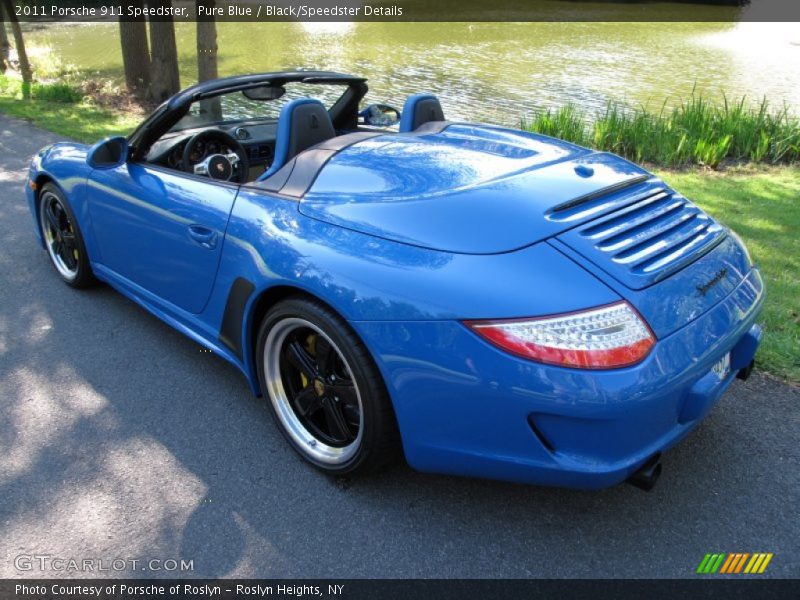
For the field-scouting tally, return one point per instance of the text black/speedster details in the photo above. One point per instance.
(312, 12)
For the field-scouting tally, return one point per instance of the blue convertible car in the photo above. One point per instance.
(480, 300)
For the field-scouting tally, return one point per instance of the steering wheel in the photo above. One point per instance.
(230, 166)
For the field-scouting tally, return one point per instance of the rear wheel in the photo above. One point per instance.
(324, 390)
(62, 238)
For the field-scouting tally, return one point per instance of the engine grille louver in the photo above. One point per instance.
(643, 235)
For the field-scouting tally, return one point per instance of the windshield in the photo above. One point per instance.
(236, 107)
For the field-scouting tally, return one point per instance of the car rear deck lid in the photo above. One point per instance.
(467, 189)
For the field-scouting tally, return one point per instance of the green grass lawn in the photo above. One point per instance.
(61, 109)
(763, 207)
(761, 203)
(83, 122)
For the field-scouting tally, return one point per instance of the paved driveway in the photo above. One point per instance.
(120, 438)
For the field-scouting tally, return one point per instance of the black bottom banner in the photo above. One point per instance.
(412, 589)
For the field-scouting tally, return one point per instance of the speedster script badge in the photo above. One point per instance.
(718, 276)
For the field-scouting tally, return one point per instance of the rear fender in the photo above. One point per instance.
(364, 278)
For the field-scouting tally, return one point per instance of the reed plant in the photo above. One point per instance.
(695, 131)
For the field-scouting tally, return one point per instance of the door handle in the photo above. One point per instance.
(204, 236)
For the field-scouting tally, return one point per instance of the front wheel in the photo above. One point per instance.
(63, 239)
(324, 390)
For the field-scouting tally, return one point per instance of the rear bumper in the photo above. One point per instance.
(466, 408)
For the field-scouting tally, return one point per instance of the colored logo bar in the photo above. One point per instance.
(734, 563)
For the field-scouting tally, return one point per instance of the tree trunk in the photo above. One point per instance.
(164, 76)
(5, 47)
(22, 55)
(207, 58)
(206, 45)
(135, 53)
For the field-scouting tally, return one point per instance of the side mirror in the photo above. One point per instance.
(108, 154)
(380, 115)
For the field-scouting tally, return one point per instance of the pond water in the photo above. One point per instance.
(495, 72)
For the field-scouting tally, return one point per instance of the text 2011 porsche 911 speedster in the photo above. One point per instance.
(481, 300)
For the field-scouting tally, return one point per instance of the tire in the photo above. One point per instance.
(307, 357)
(63, 240)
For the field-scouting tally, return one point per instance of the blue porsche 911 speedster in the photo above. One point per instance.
(480, 300)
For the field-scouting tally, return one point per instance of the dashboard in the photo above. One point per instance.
(257, 138)
(201, 150)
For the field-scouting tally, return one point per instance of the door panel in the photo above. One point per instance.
(161, 229)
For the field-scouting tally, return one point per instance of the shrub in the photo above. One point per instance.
(56, 92)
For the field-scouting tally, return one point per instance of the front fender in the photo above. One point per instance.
(65, 165)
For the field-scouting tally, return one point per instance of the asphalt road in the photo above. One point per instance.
(121, 438)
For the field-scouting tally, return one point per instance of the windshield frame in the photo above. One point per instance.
(344, 114)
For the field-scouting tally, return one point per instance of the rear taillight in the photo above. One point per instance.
(599, 338)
